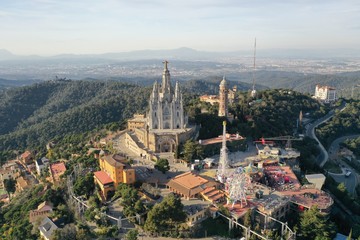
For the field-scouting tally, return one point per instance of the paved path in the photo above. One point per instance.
(310, 131)
(351, 181)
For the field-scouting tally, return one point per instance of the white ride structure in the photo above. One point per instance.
(224, 166)
(237, 186)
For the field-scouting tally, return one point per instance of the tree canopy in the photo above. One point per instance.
(10, 186)
(313, 225)
(165, 216)
(84, 185)
(192, 150)
(162, 165)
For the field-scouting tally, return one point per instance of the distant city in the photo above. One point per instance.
(144, 64)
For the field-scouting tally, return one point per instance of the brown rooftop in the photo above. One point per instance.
(189, 184)
(115, 160)
(189, 180)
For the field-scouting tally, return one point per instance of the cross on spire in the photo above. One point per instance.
(165, 64)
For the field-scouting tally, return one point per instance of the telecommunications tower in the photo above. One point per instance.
(253, 91)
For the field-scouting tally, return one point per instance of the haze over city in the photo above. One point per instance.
(50, 27)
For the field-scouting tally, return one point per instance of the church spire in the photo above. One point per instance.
(165, 84)
(155, 92)
(177, 91)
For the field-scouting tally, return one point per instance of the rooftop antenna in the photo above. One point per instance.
(253, 92)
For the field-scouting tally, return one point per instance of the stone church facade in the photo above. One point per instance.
(166, 124)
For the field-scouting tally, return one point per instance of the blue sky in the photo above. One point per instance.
(48, 27)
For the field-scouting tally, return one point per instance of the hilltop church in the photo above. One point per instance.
(166, 124)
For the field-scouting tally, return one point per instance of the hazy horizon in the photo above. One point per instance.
(51, 27)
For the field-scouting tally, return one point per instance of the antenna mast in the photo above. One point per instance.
(253, 92)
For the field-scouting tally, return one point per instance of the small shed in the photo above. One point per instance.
(317, 179)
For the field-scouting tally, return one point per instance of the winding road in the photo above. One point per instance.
(351, 181)
(310, 131)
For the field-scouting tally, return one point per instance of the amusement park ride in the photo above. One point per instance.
(236, 181)
(272, 140)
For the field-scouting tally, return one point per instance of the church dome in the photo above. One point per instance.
(223, 82)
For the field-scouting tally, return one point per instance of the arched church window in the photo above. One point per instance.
(155, 114)
(177, 114)
(177, 126)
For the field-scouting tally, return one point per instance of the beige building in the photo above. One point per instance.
(138, 121)
(196, 211)
(166, 124)
(9, 170)
(44, 210)
(214, 99)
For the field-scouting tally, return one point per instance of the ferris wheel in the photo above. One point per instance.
(237, 186)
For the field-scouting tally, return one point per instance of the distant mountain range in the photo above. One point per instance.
(192, 54)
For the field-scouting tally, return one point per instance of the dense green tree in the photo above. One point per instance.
(224, 210)
(247, 219)
(36, 114)
(313, 225)
(82, 234)
(13, 223)
(139, 206)
(132, 234)
(342, 188)
(162, 165)
(90, 214)
(63, 211)
(10, 186)
(192, 150)
(353, 145)
(66, 233)
(343, 123)
(166, 215)
(84, 185)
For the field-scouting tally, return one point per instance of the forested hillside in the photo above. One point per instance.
(5, 84)
(346, 122)
(35, 114)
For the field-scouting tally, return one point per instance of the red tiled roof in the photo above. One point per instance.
(103, 177)
(58, 168)
(26, 154)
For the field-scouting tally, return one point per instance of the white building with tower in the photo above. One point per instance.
(325, 93)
